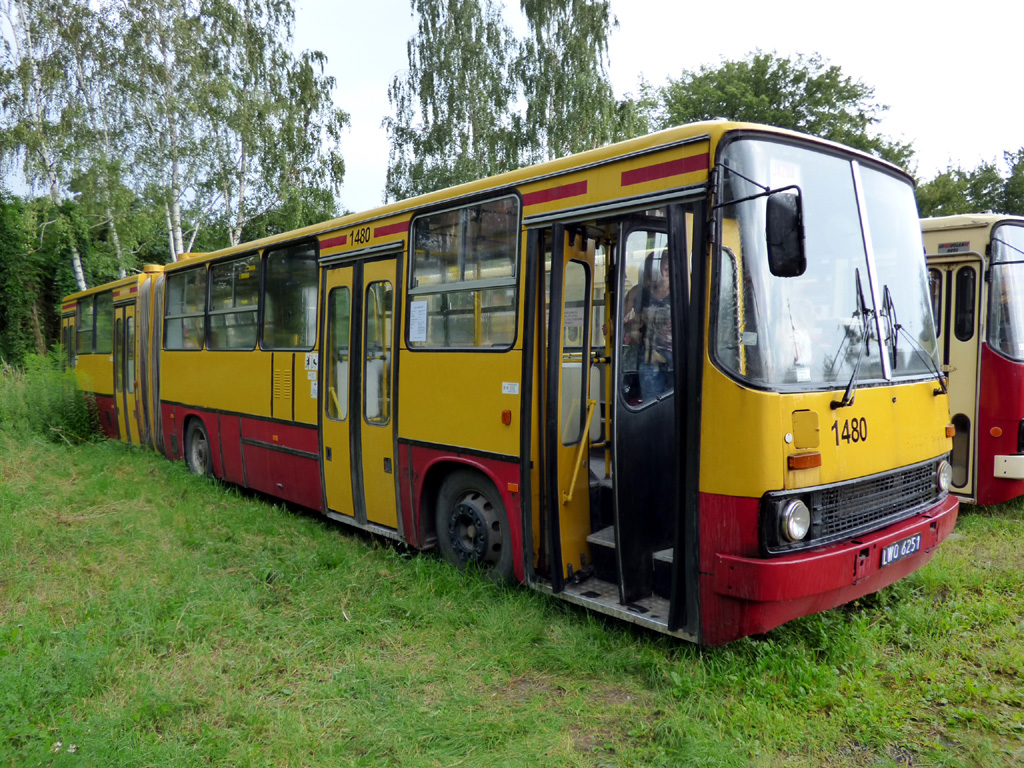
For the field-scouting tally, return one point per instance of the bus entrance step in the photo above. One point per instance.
(603, 538)
(663, 573)
(602, 551)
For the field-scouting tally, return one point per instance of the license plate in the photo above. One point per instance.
(901, 549)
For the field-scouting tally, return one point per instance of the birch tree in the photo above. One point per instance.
(570, 104)
(163, 75)
(41, 108)
(275, 125)
(454, 109)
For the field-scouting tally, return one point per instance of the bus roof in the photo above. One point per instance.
(965, 221)
(712, 130)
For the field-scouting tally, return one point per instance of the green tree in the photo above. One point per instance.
(1013, 189)
(453, 119)
(984, 188)
(275, 126)
(42, 111)
(570, 104)
(476, 101)
(803, 93)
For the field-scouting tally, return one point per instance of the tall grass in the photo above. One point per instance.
(151, 617)
(44, 399)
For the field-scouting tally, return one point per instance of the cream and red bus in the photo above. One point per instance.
(658, 379)
(976, 269)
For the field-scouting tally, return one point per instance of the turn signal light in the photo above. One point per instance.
(950, 430)
(995, 432)
(805, 460)
(506, 417)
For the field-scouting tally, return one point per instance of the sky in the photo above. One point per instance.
(951, 81)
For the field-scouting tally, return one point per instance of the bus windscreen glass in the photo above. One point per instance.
(1006, 294)
(819, 330)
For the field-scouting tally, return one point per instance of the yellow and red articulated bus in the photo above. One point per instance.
(976, 268)
(662, 379)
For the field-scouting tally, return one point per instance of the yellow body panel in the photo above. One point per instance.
(236, 382)
(744, 446)
(457, 398)
(95, 373)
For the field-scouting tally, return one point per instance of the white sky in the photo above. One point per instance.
(950, 76)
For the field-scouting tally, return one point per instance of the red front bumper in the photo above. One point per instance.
(750, 595)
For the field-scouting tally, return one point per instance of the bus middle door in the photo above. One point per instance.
(335, 388)
(125, 385)
(357, 393)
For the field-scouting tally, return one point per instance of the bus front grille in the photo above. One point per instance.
(842, 511)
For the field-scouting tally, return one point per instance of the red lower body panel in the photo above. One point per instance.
(107, 413)
(423, 467)
(276, 458)
(745, 594)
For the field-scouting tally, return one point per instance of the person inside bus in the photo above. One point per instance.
(647, 326)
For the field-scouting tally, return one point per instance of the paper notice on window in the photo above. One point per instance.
(574, 316)
(417, 321)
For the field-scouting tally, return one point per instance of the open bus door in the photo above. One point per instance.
(634, 521)
(571, 405)
(644, 439)
(956, 294)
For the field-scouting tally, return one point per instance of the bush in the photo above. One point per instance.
(45, 399)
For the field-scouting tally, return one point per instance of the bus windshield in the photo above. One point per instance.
(1006, 295)
(864, 294)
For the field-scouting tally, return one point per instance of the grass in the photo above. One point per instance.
(149, 617)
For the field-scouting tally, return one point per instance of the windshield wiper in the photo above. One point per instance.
(862, 312)
(892, 323)
(894, 329)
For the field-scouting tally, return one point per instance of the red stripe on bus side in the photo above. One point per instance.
(664, 170)
(555, 193)
(391, 229)
(334, 242)
(68, 307)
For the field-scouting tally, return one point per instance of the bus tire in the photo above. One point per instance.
(472, 526)
(197, 449)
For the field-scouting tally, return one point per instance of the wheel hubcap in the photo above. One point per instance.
(474, 530)
(199, 454)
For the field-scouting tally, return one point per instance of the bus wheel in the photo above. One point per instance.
(197, 449)
(472, 527)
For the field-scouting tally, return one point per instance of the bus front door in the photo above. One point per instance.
(572, 403)
(644, 443)
(357, 392)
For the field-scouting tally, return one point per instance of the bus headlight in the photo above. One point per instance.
(795, 520)
(944, 475)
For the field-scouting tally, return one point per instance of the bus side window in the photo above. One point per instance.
(104, 340)
(935, 287)
(965, 303)
(338, 324)
(86, 319)
(377, 355)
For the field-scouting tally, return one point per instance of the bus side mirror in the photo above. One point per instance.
(784, 231)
